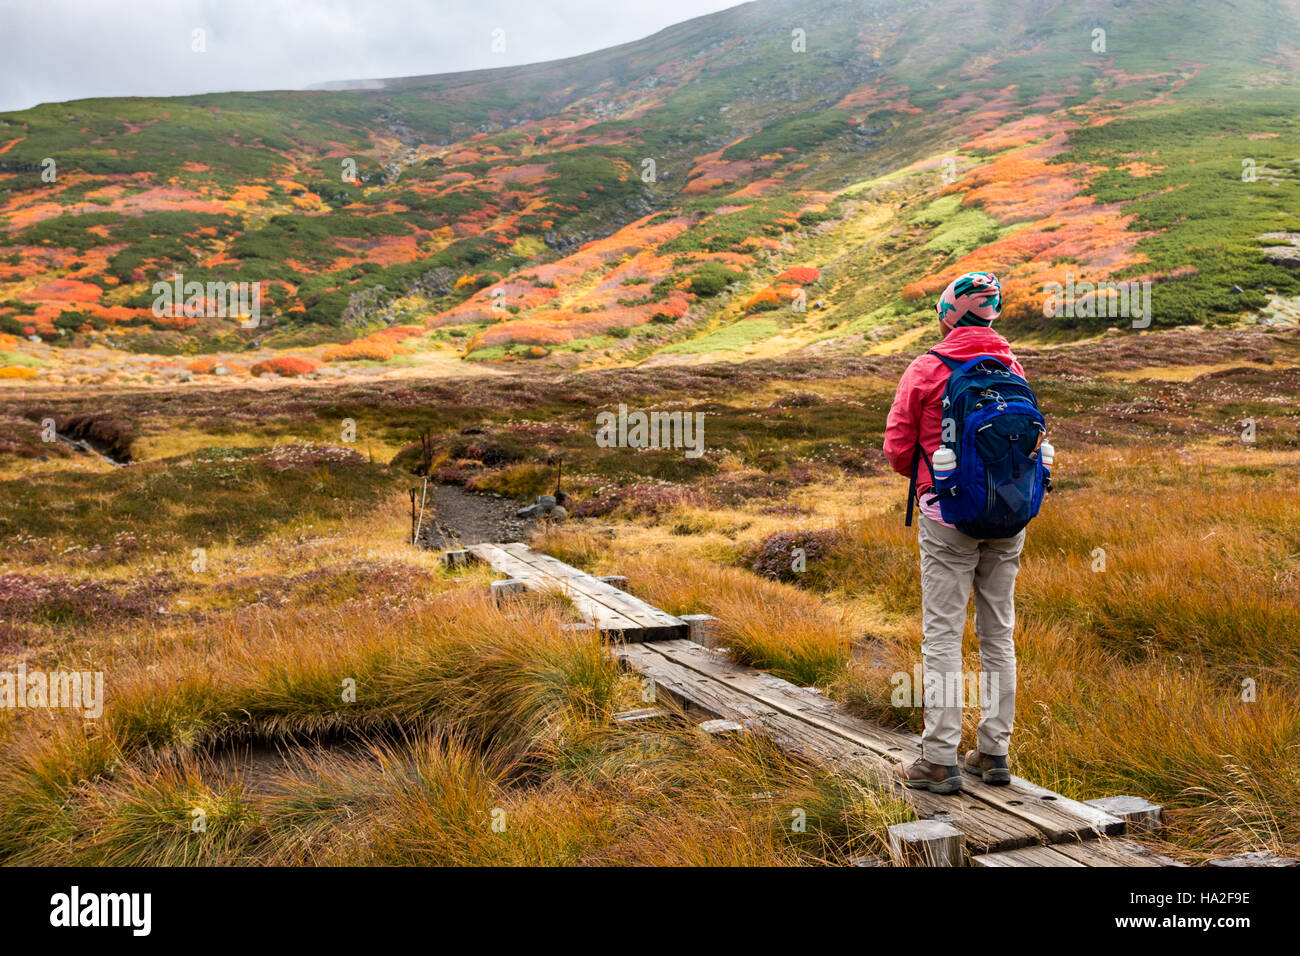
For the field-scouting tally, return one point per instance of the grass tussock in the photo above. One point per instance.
(607, 796)
(670, 797)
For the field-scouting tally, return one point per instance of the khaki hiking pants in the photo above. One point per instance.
(951, 563)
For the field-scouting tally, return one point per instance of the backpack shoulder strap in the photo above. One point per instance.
(911, 486)
(952, 364)
(918, 455)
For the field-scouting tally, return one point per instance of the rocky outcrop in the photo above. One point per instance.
(1284, 255)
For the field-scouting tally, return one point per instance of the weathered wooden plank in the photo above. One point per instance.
(655, 622)
(703, 629)
(610, 609)
(1096, 853)
(1050, 813)
(790, 697)
(683, 688)
(1106, 824)
(1108, 852)
(1026, 856)
(507, 587)
(721, 727)
(626, 604)
(602, 616)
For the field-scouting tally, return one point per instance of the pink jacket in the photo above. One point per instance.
(915, 414)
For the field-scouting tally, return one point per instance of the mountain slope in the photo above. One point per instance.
(772, 177)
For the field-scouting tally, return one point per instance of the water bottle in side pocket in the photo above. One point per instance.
(944, 466)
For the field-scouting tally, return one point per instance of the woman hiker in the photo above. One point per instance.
(954, 561)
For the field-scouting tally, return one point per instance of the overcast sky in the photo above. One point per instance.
(68, 49)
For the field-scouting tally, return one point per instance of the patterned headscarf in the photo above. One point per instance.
(972, 299)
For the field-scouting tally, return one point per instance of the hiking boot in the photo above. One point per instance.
(923, 775)
(994, 770)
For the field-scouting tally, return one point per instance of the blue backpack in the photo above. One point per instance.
(993, 424)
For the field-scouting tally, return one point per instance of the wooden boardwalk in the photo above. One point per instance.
(1022, 824)
(612, 611)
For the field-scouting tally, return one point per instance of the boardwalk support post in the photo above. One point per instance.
(1140, 815)
(507, 588)
(703, 629)
(456, 559)
(926, 843)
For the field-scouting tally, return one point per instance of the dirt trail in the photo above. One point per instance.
(454, 516)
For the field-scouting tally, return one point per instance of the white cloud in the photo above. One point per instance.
(52, 50)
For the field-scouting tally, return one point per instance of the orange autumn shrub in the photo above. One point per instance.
(288, 366)
(523, 333)
(395, 333)
(362, 349)
(930, 285)
(1019, 132)
(478, 280)
(800, 275)
(1022, 185)
(248, 194)
(763, 301)
(17, 371)
(703, 184)
(671, 308)
(209, 366)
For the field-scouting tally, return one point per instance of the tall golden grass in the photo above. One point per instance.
(479, 735)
